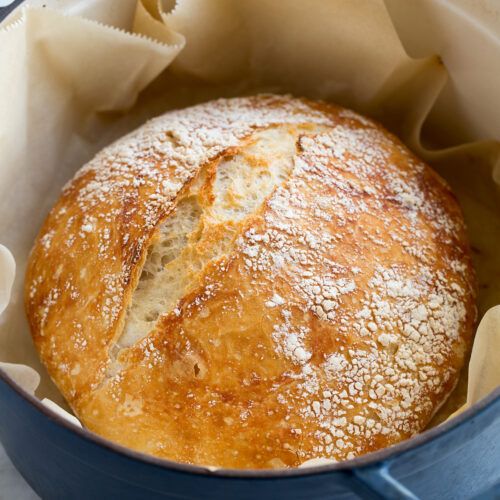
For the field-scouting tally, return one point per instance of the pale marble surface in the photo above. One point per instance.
(12, 485)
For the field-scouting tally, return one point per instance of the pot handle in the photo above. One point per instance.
(376, 482)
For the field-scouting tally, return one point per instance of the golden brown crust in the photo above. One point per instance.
(333, 323)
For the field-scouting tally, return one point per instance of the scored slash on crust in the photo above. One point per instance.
(253, 283)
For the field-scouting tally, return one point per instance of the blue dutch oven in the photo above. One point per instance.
(459, 459)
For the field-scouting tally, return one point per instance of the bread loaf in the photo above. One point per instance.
(252, 283)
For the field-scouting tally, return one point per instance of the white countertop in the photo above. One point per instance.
(12, 485)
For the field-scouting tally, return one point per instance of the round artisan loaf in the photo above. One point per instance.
(253, 283)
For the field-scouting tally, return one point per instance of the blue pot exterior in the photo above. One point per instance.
(60, 462)
(460, 460)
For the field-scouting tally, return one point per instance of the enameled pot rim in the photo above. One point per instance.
(369, 459)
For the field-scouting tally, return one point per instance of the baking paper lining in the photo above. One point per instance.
(77, 74)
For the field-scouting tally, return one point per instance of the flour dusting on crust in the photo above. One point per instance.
(254, 282)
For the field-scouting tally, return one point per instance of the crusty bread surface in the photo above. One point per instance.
(252, 283)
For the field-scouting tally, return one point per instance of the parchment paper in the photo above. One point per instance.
(76, 74)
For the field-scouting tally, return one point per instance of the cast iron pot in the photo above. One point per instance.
(458, 459)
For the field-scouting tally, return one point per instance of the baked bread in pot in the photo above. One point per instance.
(252, 283)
